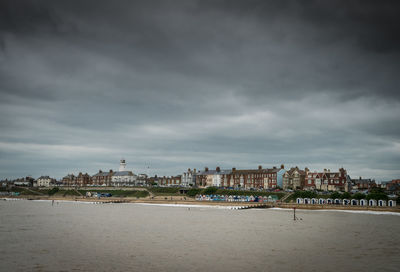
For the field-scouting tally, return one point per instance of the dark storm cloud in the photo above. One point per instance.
(177, 84)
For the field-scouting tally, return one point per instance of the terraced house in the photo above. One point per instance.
(327, 180)
(210, 178)
(189, 178)
(294, 179)
(103, 178)
(69, 180)
(261, 178)
(170, 181)
(83, 179)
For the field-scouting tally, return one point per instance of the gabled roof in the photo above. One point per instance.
(44, 177)
(291, 171)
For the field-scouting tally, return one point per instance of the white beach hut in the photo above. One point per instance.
(354, 202)
(321, 201)
(337, 201)
(299, 200)
(381, 203)
(329, 201)
(306, 201)
(346, 202)
(392, 203)
(363, 202)
(314, 201)
(372, 202)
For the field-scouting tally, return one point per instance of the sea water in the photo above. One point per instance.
(73, 236)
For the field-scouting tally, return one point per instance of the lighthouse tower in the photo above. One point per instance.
(122, 165)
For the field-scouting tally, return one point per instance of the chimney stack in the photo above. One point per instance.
(218, 169)
(259, 167)
(233, 169)
(282, 166)
(206, 169)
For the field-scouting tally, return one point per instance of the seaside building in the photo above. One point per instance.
(103, 178)
(294, 179)
(83, 179)
(363, 184)
(152, 181)
(260, 178)
(170, 181)
(189, 178)
(44, 181)
(123, 177)
(27, 182)
(141, 180)
(326, 180)
(211, 178)
(393, 186)
(205, 178)
(69, 180)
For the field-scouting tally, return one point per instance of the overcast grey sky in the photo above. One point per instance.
(179, 84)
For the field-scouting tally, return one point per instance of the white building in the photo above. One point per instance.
(43, 181)
(123, 177)
(189, 178)
(217, 176)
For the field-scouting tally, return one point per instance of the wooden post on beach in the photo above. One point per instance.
(294, 213)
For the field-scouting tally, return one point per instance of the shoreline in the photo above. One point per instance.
(191, 202)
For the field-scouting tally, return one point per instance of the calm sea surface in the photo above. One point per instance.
(36, 236)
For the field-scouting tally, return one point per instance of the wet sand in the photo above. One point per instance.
(79, 236)
(180, 200)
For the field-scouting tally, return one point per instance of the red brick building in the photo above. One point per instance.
(83, 179)
(69, 180)
(102, 178)
(169, 181)
(261, 178)
(326, 180)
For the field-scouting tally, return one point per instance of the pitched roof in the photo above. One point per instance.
(102, 174)
(123, 173)
(291, 170)
(44, 177)
(212, 172)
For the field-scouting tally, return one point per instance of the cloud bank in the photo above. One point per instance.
(170, 85)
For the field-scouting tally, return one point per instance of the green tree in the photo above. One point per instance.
(193, 192)
(358, 196)
(377, 196)
(210, 191)
(335, 195)
(53, 191)
(345, 195)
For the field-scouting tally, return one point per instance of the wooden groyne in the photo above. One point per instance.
(254, 206)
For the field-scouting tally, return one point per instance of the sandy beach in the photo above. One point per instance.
(180, 200)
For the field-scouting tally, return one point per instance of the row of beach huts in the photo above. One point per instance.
(237, 198)
(349, 202)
